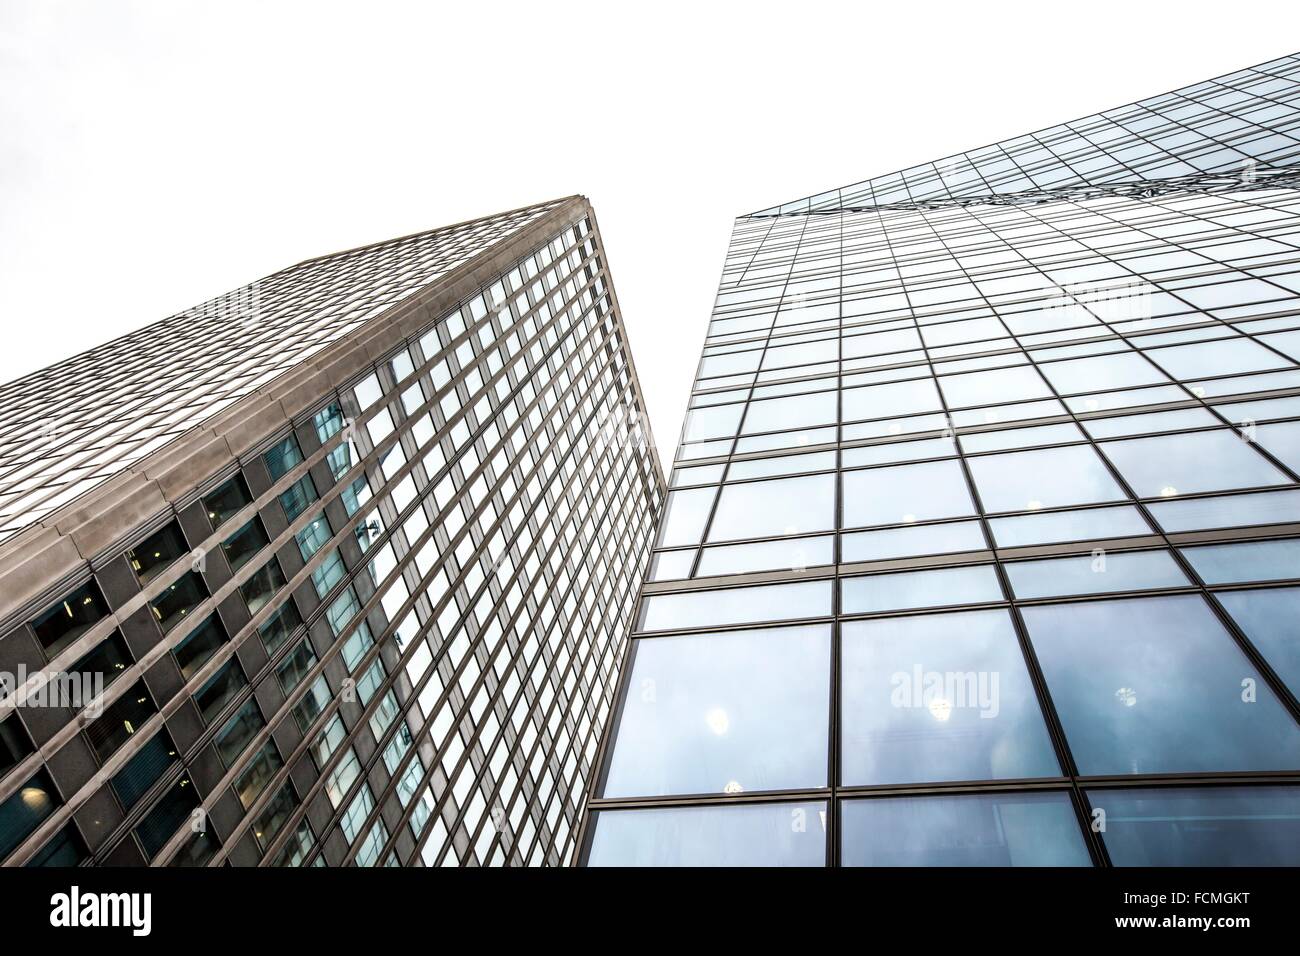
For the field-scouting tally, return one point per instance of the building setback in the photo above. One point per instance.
(983, 539)
(335, 569)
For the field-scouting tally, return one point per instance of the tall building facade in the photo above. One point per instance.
(982, 544)
(335, 569)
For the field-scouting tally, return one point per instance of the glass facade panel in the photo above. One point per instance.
(767, 834)
(939, 697)
(727, 712)
(1017, 829)
(1206, 826)
(1157, 685)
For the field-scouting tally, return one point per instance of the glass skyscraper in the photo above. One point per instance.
(982, 544)
(335, 569)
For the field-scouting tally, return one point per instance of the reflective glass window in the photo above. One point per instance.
(1270, 618)
(757, 834)
(1168, 465)
(729, 712)
(905, 493)
(781, 506)
(1095, 573)
(939, 697)
(1048, 478)
(908, 589)
(1201, 826)
(774, 602)
(1156, 685)
(978, 829)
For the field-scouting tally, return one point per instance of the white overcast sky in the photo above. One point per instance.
(156, 154)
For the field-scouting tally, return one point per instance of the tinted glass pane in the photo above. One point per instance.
(996, 829)
(1248, 561)
(1094, 523)
(199, 645)
(988, 388)
(764, 509)
(905, 542)
(262, 586)
(65, 849)
(781, 834)
(282, 457)
(144, 769)
(1170, 465)
(1214, 826)
(106, 662)
(15, 743)
(214, 695)
(1095, 574)
(905, 493)
(731, 712)
(1049, 478)
(794, 554)
(227, 500)
(22, 812)
(1228, 511)
(776, 602)
(282, 622)
(939, 697)
(685, 516)
(244, 543)
(1156, 686)
(157, 551)
(1271, 619)
(166, 817)
(238, 731)
(300, 494)
(908, 589)
(71, 617)
(178, 599)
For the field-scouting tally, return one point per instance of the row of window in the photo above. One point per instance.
(1168, 826)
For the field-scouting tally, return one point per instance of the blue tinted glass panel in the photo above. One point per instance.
(1248, 561)
(939, 697)
(1094, 523)
(908, 589)
(1095, 574)
(1011, 829)
(731, 712)
(774, 602)
(947, 538)
(1228, 511)
(1049, 478)
(773, 834)
(1156, 686)
(905, 493)
(1170, 465)
(1214, 826)
(766, 509)
(1271, 619)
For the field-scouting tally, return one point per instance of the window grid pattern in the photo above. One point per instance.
(509, 430)
(1046, 440)
(1250, 118)
(71, 426)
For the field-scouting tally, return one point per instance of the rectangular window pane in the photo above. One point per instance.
(1207, 826)
(728, 712)
(775, 602)
(764, 834)
(1098, 573)
(995, 829)
(910, 589)
(1155, 685)
(939, 697)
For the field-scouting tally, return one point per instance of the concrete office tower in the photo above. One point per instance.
(336, 569)
(983, 538)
